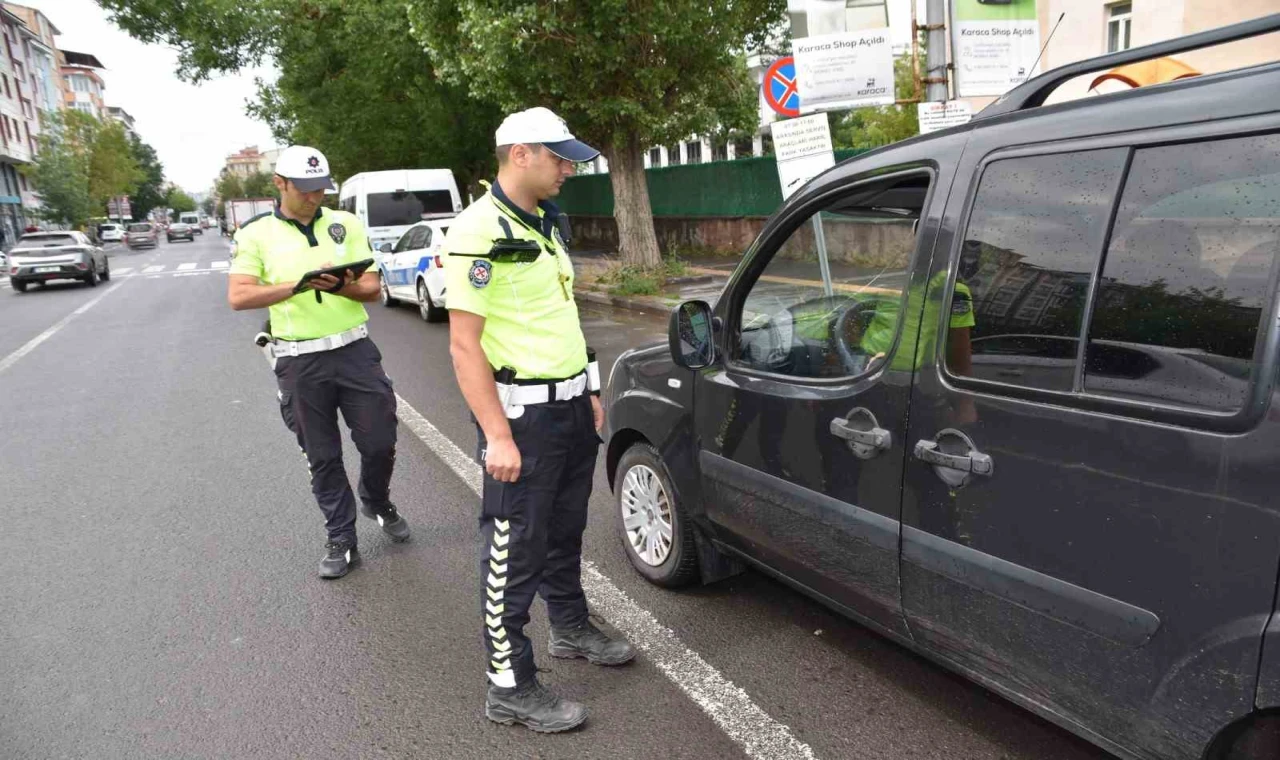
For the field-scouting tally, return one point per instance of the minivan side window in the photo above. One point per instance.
(1187, 274)
(1026, 263)
(804, 319)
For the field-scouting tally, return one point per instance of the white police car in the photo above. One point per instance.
(412, 269)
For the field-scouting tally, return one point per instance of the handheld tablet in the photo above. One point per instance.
(340, 271)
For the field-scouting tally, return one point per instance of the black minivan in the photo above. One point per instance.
(1006, 394)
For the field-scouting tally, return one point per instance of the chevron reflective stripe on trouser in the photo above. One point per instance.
(500, 672)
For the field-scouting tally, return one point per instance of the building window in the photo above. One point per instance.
(22, 181)
(655, 157)
(7, 93)
(695, 152)
(674, 155)
(1119, 17)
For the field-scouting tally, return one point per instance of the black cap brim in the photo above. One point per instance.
(573, 150)
(311, 184)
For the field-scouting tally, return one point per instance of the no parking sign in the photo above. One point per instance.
(779, 86)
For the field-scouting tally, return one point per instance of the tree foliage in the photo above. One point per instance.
(623, 80)
(150, 191)
(178, 201)
(353, 82)
(882, 125)
(82, 163)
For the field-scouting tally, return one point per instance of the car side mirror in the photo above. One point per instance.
(384, 248)
(690, 336)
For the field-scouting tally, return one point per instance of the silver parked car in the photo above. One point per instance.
(44, 256)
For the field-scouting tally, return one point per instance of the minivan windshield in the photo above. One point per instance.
(407, 207)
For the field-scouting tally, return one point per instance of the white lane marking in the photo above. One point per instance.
(220, 264)
(31, 345)
(151, 270)
(729, 706)
(187, 267)
(121, 271)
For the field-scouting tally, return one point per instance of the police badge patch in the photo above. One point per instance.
(338, 233)
(480, 273)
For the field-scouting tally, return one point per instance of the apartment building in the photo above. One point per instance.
(83, 87)
(118, 114)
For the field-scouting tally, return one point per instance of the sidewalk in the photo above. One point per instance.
(705, 281)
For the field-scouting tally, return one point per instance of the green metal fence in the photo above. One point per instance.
(745, 187)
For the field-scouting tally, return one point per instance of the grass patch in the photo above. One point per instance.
(622, 280)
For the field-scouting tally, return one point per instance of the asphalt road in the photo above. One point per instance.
(159, 551)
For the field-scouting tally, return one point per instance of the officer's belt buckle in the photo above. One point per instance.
(336, 341)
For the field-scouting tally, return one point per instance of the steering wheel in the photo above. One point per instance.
(849, 331)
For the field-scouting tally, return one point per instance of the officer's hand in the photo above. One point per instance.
(502, 461)
(597, 412)
(323, 282)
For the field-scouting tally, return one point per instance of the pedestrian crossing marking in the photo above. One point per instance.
(187, 267)
(153, 269)
(220, 264)
(122, 270)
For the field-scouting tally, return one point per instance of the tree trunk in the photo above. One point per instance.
(631, 210)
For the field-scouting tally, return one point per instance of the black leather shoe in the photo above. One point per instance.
(395, 526)
(535, 706)
(339, 560)
(592, 643)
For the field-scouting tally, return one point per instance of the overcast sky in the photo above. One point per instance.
(192, 128)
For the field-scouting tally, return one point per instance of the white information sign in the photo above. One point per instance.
(844, 70)
(936, 116)
(803, 150)
(995, 45)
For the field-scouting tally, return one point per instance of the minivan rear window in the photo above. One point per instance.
(1188, 272)
(409, 207)
(139, 228)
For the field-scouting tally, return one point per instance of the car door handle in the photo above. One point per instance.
(975, 462)
(867, 438)
(877, 437)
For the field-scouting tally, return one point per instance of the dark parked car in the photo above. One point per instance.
(40, 257)
(1016, 407)
(141, 235)
(180, 231)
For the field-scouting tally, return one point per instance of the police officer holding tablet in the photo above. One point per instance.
(523, 366)
(324, 360)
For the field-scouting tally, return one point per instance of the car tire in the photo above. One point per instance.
(19, 287)
(427, 308)
(384, 295)
(91, 279)
(106, 270)
(639, 471)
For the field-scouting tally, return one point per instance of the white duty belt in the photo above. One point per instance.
(542, 393)
(281, 348)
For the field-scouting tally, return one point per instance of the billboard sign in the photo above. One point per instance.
(995, 44)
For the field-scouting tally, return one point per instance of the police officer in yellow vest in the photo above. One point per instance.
(523, 365)
(324, 360)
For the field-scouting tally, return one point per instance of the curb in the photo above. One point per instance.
(635, 303)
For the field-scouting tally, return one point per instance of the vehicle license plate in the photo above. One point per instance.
(48, 269)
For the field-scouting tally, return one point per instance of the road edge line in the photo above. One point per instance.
(732, 709)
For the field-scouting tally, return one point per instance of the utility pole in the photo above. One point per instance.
(935, 22)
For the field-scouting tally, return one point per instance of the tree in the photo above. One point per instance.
(113, 171)
(178, 201)
(366, 106)
(209, 206)
(150, 191)
(623, 79)
(260, 185)
(229, 186)
(882, 125)
(61, 171)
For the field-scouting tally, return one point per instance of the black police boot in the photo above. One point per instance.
(392, 523)
(592, 643)
(533, 705)
(339, 560)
